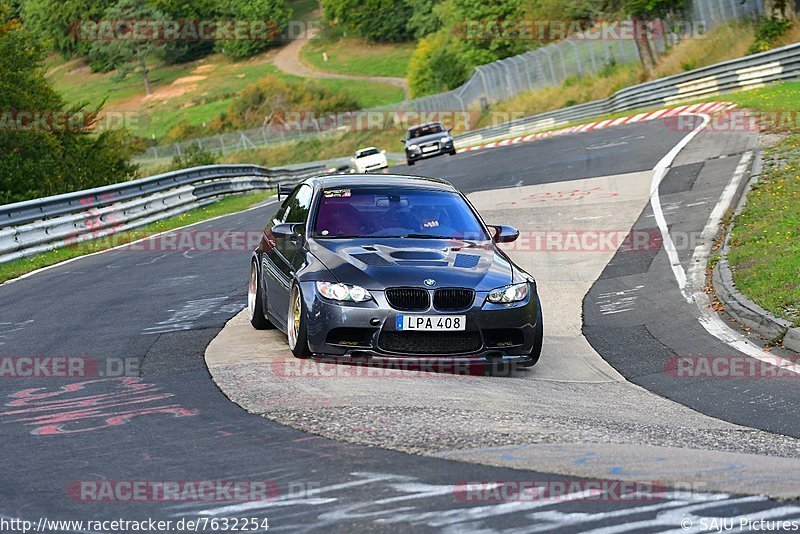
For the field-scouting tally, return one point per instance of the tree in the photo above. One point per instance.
(423, 20)
(273, 12)
(376, 20)
(182, 10)
(488, 43)
(37, 160)
(640, 12)
(121, 48)
(435, 66)
(57, 21)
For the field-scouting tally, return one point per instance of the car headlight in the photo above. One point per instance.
(343, 292)
(507, 294)
(444, 140)
(413, 147)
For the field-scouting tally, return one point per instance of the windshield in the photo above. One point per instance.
(395, 212)
(425, 130)
(367, 152)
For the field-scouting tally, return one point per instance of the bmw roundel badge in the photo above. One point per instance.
(430, 282)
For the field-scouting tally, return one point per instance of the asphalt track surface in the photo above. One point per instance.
(171, 423)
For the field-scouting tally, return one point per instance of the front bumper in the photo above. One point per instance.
(353, 332)
(443, 148)
(372, 168)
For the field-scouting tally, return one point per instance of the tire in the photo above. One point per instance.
(452, 152)
(536, 350)
(296, 327)
(255, 300)
(410, 162)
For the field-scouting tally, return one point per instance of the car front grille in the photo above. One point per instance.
(408, 298)
(431, 343)
(453, 298)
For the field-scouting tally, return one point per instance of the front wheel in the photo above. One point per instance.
(410, 162)
(296, 328)
(255, 302)
(452, 152)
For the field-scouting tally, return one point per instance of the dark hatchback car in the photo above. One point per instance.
(376, 268)
(426, 141)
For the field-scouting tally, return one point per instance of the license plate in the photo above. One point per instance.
(430, 148)
(432, 322)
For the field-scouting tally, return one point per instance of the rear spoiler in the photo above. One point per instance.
(284, 190)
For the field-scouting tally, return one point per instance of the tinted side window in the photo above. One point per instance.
(298, 206)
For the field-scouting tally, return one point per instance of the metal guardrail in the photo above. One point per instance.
(35, 226)
(747, 72)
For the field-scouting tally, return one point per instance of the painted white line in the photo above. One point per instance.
(659, 171)
(691, 287)
(59, 264)
(697, 268)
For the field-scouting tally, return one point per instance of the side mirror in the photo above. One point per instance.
(403, 140)
(383, 152)
(290, 230)
(504, 234)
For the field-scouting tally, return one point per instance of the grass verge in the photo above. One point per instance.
(224, 206)
(196, 92)
(765, 240)
(358, 57)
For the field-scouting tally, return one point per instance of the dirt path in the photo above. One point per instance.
(288, 60)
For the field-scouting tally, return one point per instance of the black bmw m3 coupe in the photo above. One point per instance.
(385, 267)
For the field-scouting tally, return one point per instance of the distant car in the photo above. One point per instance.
(368, 160)
(426, 141)
(381, 267)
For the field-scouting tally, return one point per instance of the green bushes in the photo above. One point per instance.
(194, 156)
(273, 11)
(443, 60)
(436, 66)
(61, 153)
(59, 23)
(769, 31)
(377, 20)
(269, 98)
